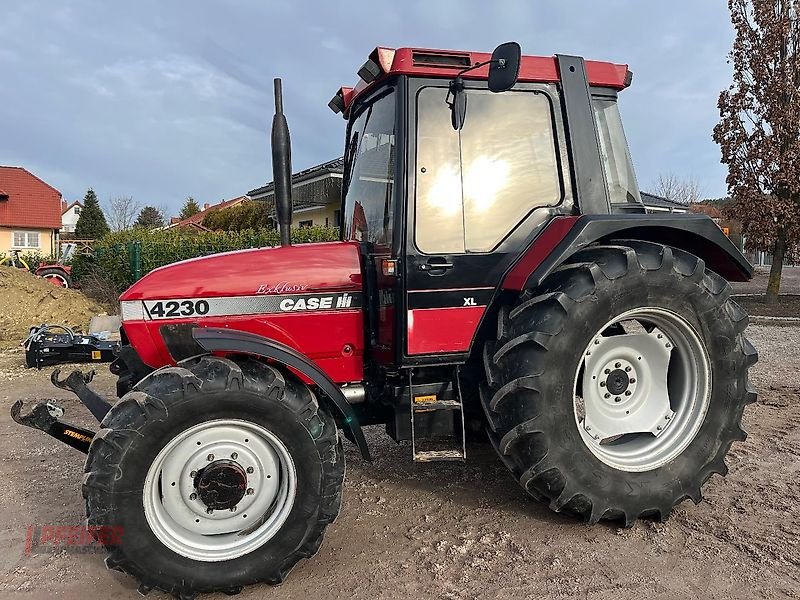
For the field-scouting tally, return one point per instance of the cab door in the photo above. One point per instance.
(479, 194)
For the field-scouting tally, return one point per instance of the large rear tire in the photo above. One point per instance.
(617, 388)
(213, 475)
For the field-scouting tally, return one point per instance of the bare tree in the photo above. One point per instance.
(672, 187)
(122, 212)
(759, 128)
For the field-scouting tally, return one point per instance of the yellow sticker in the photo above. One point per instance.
(425, 399)
(96, 355)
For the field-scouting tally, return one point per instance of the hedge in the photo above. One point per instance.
(123, 256)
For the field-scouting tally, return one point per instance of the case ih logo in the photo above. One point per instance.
(317, 303)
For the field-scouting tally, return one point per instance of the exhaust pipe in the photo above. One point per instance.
(282, 167)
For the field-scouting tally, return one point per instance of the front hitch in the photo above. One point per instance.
(45, 416)
(77, 383)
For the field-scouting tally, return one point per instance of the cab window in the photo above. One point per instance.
(475, 186)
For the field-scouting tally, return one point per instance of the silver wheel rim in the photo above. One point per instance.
(642, 389)
(178, 516)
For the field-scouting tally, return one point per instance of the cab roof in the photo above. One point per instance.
(426, 62)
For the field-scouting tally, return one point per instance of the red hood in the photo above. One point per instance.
(328, 266)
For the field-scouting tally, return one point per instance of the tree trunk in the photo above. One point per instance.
(774, 284)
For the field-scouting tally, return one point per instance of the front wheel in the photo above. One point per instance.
(616, 389)
(213, 475)
(58, 277)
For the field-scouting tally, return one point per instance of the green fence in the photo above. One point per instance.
(126, 256)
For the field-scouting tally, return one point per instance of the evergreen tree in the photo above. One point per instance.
(91, 224)
(190, 208)
(150, 218)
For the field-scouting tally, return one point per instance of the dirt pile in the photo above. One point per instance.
(26, 300)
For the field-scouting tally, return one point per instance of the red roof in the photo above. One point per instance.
(65, 207)
(31, 202)
(197, 219)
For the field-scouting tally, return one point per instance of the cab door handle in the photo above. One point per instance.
(433, 265)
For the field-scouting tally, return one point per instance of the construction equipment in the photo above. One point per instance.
(496, 269)
(52, 344)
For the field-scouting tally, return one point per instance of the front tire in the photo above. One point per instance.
(560, 343)
(58, 277)
(213, 475)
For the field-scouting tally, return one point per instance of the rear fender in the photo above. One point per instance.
(564, 236)
(240, 342)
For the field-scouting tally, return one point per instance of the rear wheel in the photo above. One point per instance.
(213, 475)
(57, 277)
(616, 389)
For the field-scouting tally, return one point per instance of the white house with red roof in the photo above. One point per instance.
(30, 212)
(70, 213)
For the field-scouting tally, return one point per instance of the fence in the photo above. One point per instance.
(125, 257)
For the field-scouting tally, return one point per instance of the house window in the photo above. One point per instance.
(337, 218)
(26, 239)
(306, 224)
(77, 210)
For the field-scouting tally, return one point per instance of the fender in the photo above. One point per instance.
(227, 340)
(563, 236)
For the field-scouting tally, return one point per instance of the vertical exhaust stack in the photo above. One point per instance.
(282, 167)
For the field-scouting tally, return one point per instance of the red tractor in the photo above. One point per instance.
(497, 272)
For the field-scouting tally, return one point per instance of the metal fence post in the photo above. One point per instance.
(135, 259)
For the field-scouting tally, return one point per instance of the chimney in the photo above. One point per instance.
(206, 206)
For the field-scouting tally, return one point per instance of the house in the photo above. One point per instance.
(658, 204)
(69, 215)
(316, 195)
(195, 222)
(30, 212)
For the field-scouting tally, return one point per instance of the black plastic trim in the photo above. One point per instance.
(225, 340)
(695, 233)
(590, 187)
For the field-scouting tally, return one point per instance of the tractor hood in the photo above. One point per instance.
(301, 269)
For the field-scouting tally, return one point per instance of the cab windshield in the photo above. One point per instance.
(369, 174)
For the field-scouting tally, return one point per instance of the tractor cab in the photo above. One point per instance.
(454, 163)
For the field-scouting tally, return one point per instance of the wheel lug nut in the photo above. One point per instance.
(633, 381)
(250, 469)
(606, 395)
(607, 371)
(233, 509)
(602, 384)
(617, 399)
(209, 511)
(250, 491)
(617, 365)
(596, 342)
(210, 457)
(193, 474)
(627, 369)
(234, 456)
(660, 336)
(659, 428)
(627, 392)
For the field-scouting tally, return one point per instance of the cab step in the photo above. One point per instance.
(437, 423)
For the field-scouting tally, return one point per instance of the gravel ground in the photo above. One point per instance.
(461, 531)
(790, 282)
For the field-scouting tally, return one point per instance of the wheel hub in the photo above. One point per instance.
(617, 382)
(221, 485)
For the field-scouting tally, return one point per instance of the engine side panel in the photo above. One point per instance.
(307, 297)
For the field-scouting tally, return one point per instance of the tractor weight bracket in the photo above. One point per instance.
(77, 383)
(45, 416)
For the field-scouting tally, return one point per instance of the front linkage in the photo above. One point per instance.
(46, 415)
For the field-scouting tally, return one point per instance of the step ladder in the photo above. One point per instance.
(424, 406)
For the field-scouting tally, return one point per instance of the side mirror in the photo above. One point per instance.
(504, 67)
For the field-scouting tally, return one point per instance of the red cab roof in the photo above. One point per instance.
(424, 62)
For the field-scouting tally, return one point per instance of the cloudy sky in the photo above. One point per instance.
(161, 100)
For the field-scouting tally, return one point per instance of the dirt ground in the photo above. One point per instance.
(790, 282)
(460, 531)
